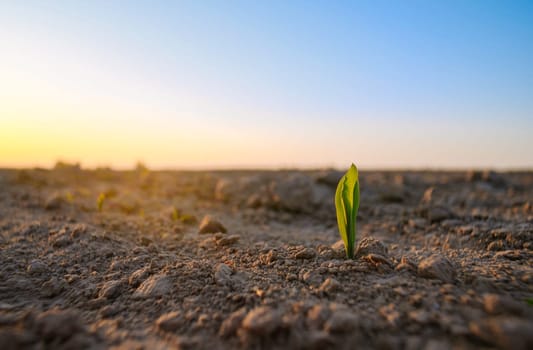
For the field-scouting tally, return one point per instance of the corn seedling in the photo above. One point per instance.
(100, 201)
(69, 197)
(347, 205)
(175, 214)
(188, 219)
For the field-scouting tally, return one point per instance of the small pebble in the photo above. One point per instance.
(210, 225)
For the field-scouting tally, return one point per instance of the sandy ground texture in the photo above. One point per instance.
(252, 260)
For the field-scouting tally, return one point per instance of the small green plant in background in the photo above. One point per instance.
(188, 219)
(347, 205)
(175, 214)
(69, 197)
(100, 201)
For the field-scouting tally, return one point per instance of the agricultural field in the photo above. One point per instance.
(146, 259)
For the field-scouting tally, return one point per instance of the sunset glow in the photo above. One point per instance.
(216, 85)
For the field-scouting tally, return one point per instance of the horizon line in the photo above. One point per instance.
(276, 168)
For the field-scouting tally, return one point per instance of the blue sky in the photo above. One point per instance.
(385, 84)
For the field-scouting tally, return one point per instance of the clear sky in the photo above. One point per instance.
(209, 84)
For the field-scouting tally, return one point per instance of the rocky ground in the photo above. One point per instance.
(252, 260)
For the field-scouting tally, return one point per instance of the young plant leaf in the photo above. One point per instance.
(347, 205)
(100, 201)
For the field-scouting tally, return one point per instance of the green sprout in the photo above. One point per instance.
(188, 219)
(100, 201)
(347, 205)
(69, 197)
(175, 214)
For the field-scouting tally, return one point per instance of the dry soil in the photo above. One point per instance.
(252, 260)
